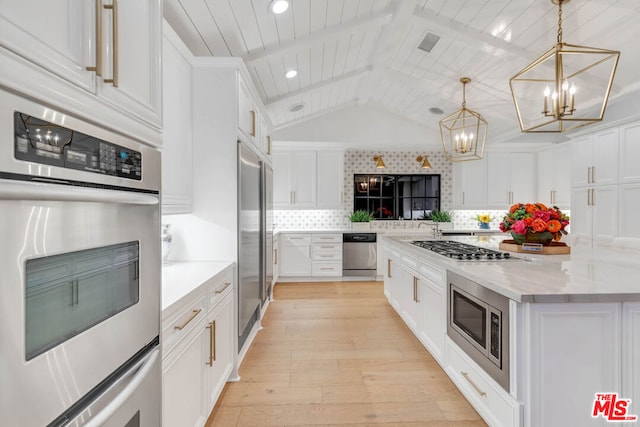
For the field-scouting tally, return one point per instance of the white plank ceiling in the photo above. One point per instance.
(364, 52)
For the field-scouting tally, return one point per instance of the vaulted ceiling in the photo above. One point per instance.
(355, 53)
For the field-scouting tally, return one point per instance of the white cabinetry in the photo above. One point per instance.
(630, 153)
(294, 179)
(554, 177)
(631, 353)
(573, 352)
(109, 48)
(433, 313)
(594, 195)
(510, 179)
(276, 256)
(326, 254)
(329, 179)
(470, 184)
(198, 351)
(295, 255)
(247, 112)
(177, 166)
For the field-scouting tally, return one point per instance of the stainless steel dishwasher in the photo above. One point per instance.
(359, 254)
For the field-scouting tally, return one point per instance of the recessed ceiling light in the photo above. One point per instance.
(436, 110)
(291, 74)
(296, 107)
(278, 6)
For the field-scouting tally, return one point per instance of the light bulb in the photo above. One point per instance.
(572, 90)
(565, 84)
(547, 91)
(554, 96)
(279, 6)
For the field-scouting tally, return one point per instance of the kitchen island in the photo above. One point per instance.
(573, 327)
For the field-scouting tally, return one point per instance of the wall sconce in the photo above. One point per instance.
(379, 162)
(425, 162)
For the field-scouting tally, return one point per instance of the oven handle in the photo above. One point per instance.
(32, 191)
(143, 371)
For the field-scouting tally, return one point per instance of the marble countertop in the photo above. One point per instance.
(179, 279)
(586, 275)
(390, 231)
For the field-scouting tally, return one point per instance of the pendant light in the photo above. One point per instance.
(566, 87)
(464, 132)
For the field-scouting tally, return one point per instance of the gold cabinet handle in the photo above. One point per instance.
(463, 197)
(275, 256)
(466, 377)
(416, 290)
(268, 145)
(212, 342)
(226, 285)
(593, 197)
(253, 123)
(389, 267)
(194, 313)
(98, 67)
(114, 35)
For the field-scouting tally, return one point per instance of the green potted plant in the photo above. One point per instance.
(360, 220)
(443, 218)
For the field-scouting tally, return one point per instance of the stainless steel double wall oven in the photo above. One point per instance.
(80, 283)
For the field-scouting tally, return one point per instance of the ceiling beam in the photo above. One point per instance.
(304, 90)
(319, 37)
(457, 31)
(351, 103)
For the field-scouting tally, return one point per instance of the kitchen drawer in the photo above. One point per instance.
(326, 238)
(326, 268)
(179, 323)
(295, 239)
(220, 287)
(491, 401)
(326, 251)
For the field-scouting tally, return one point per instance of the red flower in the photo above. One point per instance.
(538, 225)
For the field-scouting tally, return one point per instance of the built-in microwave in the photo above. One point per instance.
(478, 322)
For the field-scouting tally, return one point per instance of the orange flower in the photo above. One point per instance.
(538, 225)
(541, 206)
(528, 221)
(530, 208)
(554, 226)
(514, 208)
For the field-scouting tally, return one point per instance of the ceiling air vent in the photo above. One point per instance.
(429, 42)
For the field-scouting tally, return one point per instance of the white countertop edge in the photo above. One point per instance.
(181, 278)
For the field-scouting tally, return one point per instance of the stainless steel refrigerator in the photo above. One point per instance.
(250, 238)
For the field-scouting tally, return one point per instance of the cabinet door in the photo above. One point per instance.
(247, 113)
(177, 165)
(631, 353)
(329, 182)
(562, 177)
(218, 351)
(432, 316)
(470, 184)
(546, 173)
(629, 225)
(581, 213)
(521, 177)
(183, 385)
(304, 179)
(58, 35)
(605, 158)
(408, 291)
(629, 153)
(295, 260)
(282, 176)
(498, 180)
(605, 213)
(136, 62)
(581, 161)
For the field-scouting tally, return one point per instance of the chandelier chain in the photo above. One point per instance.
(464, 97)
(560, 21)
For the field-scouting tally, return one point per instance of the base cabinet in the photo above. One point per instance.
(198, 352)
(295, 255)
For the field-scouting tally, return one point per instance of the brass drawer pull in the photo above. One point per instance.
(466, 377)
(194, 313)
(114, 25)
(98, 67)
(226, 285)
(212, 343)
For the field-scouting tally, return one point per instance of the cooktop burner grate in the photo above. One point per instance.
(462, 251)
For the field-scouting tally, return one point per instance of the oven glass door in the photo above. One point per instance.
(69, 293)
(470, 317)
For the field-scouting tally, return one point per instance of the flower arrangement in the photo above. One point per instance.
(534, 222)
(483, 218)
(383, 212)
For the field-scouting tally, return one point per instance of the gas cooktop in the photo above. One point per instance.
(462, 251)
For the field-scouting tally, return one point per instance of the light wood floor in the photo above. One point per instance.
(332, 354)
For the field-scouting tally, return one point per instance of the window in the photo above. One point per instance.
(397, 196)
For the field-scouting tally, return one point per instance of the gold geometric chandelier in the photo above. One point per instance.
(568, 86)
(464, 132)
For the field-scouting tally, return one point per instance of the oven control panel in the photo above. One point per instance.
(47, 143)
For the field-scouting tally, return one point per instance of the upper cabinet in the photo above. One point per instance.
(594, 159)
(510, 179)
(630, 153)
(554, 177)
(470, 184)
(177, 164)
(109, 48)
(308, 179)
(248, 120)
